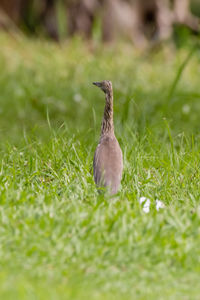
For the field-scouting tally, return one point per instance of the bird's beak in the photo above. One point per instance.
(97, 84)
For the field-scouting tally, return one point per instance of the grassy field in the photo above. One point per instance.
(59, 239)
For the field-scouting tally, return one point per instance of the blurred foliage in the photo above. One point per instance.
(195, 7)
(39, 78)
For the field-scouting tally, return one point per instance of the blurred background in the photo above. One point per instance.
(52, 50)
(139, 21)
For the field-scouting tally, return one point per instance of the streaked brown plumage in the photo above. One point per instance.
(108, 162)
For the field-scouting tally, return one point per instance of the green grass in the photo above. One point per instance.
(59, 239)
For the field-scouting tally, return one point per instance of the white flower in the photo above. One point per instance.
(159, 204)
(142, 199)
(146, 206)
(145, 202)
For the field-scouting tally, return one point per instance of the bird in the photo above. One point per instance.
(108, 159)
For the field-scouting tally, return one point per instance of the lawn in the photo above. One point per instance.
(59, 239)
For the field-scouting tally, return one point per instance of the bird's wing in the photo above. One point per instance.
(107, 162)
(97, 165)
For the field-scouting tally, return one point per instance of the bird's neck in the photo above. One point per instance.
(107, 123)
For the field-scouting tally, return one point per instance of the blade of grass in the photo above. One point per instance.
(180, 72)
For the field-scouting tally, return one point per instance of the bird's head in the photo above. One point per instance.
(105, 86)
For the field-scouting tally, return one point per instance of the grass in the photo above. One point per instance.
(59, 239)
